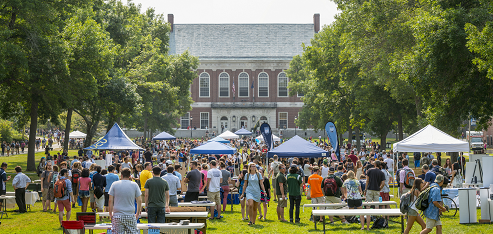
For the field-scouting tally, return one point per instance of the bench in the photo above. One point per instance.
(189, 204)
(192, 215)
(145, 226)
(360, 212)
(342, 205)
(190, 209)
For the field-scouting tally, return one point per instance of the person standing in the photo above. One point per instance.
(430, 176)
(375, 183)
(403, 173)
(265, 196)
(156, 197)
(98, 182)
(123, 196)
(282, 191)
(315, 181)
(254, 183)
(46, 188)
(111, 177)
(331, 187)
(20, 183)
(193, 179)
(63, 199)
(294, 181)
(214, 179)
(148, 157)
(173, 184)
(352, 191)
(274, 169)
(413, 212)
(226, 180)
(144, 176)
(239, 183)
(432, 213)
(3, 178)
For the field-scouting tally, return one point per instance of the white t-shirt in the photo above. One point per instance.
(390, 163)
(215, 175)
(124, 193)
(384, 156)
(109, 159)
(325, 171)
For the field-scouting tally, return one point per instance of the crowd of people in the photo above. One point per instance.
(166, 170)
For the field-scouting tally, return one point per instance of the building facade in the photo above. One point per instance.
(241, 77)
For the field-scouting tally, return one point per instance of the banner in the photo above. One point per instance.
(331, 130)
(267, 134)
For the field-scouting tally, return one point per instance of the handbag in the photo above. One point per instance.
(98, 191)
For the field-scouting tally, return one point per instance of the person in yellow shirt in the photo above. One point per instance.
(144, 176)
(315, 181)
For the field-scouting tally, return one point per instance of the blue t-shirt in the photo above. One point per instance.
(430, 177)
(432, 212)
(110, 178)
(180, 158)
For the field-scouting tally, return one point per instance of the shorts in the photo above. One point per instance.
(354, 203)
(99, 202)
(431, 223)
(83, 193)
(372, 196)
(64, 204)
(385, 196)
(91, 196)
(332, 199)
(318, 200)
(191, 196)
(282, 202)
(274, 181)
(214, 197)
(48, 194)
(412, 212)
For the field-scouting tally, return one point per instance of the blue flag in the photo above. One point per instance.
(331, 129)
(252, 83)
(267, 134)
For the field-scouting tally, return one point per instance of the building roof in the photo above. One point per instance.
(241, 41)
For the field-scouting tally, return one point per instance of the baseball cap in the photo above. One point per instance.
(331, 169)
(316, 168)
(439, 179)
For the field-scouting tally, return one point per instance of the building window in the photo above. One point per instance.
(283, 120)
(263, 119)
(224, 85)
(243, 84)
(282, 84)
(300, 94)
(263, 85)
(224, 123)
(204, 120)
(185, 121)
(204, 81)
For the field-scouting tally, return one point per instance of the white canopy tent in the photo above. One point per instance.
(228, 135)
(77, 134)
(261, 138)
(431, 139)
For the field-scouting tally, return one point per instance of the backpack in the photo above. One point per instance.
(330, 186)
(405, 203)
(423, 202)
(54, 179)
(60, 188)
(408, 178)
(75, 176)
(380, 223)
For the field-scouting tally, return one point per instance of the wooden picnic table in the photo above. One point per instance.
(145, 226)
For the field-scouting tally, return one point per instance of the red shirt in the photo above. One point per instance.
(353, 158)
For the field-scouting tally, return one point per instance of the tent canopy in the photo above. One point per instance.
(213, 147)
(163, 136)
(243, 131)
(77, 134)
(115, 139)
(218, 139)
(261, 138)
(297, 147)
(431, 139)
(228, 135)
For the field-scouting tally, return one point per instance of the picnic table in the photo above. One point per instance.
(31, 198)
(341, 205)
(188, 204)
(4, 200)
(169, 215)
(360, 212)
(145, 226)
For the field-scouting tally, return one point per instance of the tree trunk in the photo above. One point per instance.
(145, 126)
(91, 132)
(400, 127)
(417, 102)
(31, 150)
(358, 139)
(67, 128)
(454, 156)
(350, 133)
(383, 141)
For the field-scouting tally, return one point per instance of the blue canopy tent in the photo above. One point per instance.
(297, 147)
(218, 139)
(243, 131)
(213, 147)
(163, 136)
(115, 139)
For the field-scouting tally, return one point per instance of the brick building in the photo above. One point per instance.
(253, 59)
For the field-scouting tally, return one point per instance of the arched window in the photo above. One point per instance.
(204, 82)
(263, 119)
(282, 84)
(224, 84)
(263, 84)
(243, 84)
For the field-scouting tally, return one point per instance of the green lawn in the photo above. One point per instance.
(37, 221)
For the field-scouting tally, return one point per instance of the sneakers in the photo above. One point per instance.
(345, 222)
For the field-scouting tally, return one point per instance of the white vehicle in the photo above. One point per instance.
(477, 143)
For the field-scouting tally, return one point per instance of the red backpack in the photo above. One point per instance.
(330, 186)
(59, 188)
(75, 176)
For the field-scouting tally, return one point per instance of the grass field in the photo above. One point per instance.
(36, 221)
